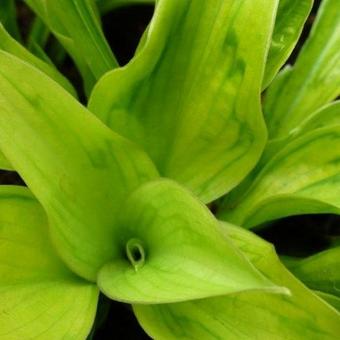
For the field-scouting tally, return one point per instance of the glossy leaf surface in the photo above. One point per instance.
(320, 271)
(313, 81)
(177, 251)
(245, 315)
(290, 19)
(40, 298)
(191, 95)
(302, 178)
(75, 24)
(78, 169)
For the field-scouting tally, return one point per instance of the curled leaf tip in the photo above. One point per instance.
(135, 253)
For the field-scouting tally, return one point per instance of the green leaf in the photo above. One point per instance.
(109, 5)
(37, 39)
(246, 315)
(290, 19)
(190, 97)
(75, 24)
(40, 298)
(313, 81)
(327, 116)
(8, 17)
(8, 44)
(320, 271)
(78, 169)
(302, 178)
(330, 299)
(175, 251)
(4, 164)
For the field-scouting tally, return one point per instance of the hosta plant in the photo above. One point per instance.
(119, 188)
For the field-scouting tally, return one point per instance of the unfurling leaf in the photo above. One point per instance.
(175, 251)
(248, 314)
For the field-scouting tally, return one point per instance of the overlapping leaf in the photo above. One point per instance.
(177, 251)
(78, 169)
(313, 81)
(191, 95)
(330, 299)
(301, 178)
(40, 298)
(75, 24)
(320, 271)
(291, 16)
(246, 315)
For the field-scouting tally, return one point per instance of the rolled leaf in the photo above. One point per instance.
(40, 298)
(302, 315)
(78, 169)
(290, 19)
(301, 178)
(174, 251)
(314, 79)
(191, 96)
(320, 271)
(75, 24)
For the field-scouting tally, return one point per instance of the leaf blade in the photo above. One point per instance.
(198, 71)
(181, 253)
(314, 79)
(39, 296)
(247, 314)
(78, 169)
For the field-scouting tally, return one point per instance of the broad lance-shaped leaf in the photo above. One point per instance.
(40, 298)
(175, 251)
(304, 177)
(320, 271)
(75, 24)
(191, 96)
(290, 19)
(78, 169)
(10, 45)
(246, 315)
(313, 81)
